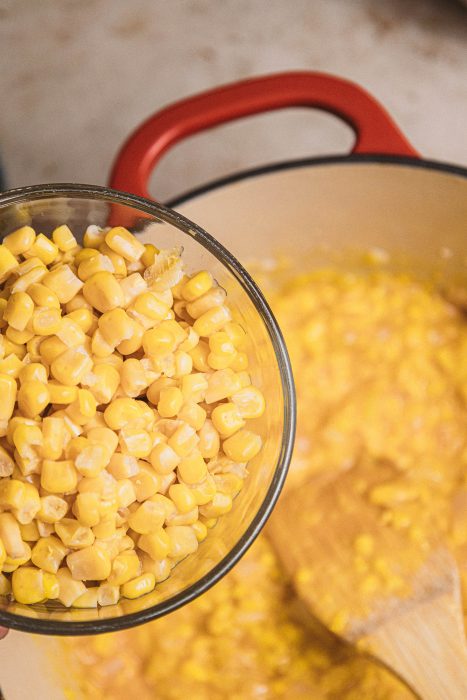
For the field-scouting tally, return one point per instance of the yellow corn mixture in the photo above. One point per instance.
(381, 367)
(125, 400)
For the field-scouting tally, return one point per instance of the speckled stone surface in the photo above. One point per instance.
(78, 75)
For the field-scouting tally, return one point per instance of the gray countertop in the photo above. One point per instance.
(78, 75)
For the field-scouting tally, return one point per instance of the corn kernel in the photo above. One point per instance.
(42, 296)
(20, 240)
(28, 585)
(63, 282)
(18, 311)
(74, 535)
(33, 372)
(147, 517)
(156, 544)
(89, 564)
(33, 397)
(164, 458)
(121, 412)
(226, 419)
(69, 589)
(42, 248)
(8, 262)
(182, 541)
(124, 243)
(193, 469)
(103, 292)
(146, 482)
(48, 553)
(62, 393)
(242, 446)
(183, 497)
(125, 567)
(139, 586)
(63, 238)
(71, 365)
(53, 509)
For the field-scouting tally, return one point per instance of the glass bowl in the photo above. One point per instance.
(46, 206)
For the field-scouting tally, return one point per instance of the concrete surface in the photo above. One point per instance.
(78, 75)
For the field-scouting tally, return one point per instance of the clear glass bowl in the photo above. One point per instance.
(44, 207)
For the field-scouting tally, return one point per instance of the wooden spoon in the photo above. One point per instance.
(417, 632)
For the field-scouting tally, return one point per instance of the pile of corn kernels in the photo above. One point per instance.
(125, 400)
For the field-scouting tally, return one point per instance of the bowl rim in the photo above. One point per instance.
(101, 193)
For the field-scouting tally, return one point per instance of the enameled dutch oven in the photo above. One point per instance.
(382, 195)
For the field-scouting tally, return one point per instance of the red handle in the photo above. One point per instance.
(375, 130)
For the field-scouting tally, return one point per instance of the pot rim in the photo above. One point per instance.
(351, 159)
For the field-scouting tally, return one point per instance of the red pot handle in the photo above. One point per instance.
(375, 131)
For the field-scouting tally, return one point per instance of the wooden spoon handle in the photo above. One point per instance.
(426, 647)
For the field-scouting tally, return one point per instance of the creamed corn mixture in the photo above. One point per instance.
(381, 366)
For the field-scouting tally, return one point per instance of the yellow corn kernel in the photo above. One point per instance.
(212, 321)
(156, 544)
(99, 346)
(121, 412)
(8, 262)
(42, 248)
(183, 364)
(197, 285)
(161, 568)
(54, 435)
(18, 311)
(63, 282)
(166, 480)
(125, 566)
(164, 458)
(200, 530)
(73, 534)
(126, 493)
(146, 482)
(123, 466)
(119, 264)
(46, 321)
(69, 589)
(194, 387)
(139, 586)
(63, 238)
(50, 349)
(89, 564)
(93, 236)
(170, 401)
(221, 385)
(71, 365)
(31, 264)
(106, 528)
(226, 419)
(133, 377)
(103, 292)
(149, 304)
(78, 302)
(193, 414)
(103, 436)
(28, 585)
(154, 390)
(183, 497)
(92, 459)
(159, 342)
(132, 286)
(29, 506)
(242, 446)
(6, 463)
(221, 344)
(42, 296)
(48, 553)
(29, 533)
(53, 509)
(5, 585)
(33, 372)
(149, 255)
(107, 594)
(134, 342)
(94, 264)
(182, 540)
(12, 492)
(83, 409)
(10, 535)
(86, 509)
(83, 318)
(239, 362)
(71, 333)
(236, 334)
(212, 299)
(62, 393)
(20, 240)
(135, 442)
(192, 469)
(18, 337)
(33, 397)
(59, 476)
(24, 282)
(147, 518)
(103, 383)
(220, 504)
(183, 440)
(11, 348)
(124, 243)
